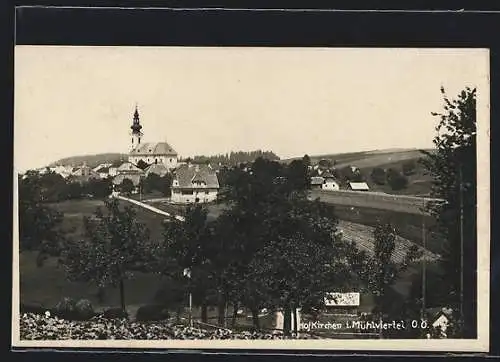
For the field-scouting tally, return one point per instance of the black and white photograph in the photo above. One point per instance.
(251, 197)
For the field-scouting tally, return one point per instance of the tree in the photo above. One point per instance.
(53, 187)
(115, 245)
(297, 236)
(380, 271)
(74, 190)
(99, 188)
(378, 176)
(347, 174)
(306, 160)
(38, 223)
(453, 167)
(396, 180)
(166, 185)
(142, 165)
(187, 245)
(276, 234)
(153, 182)
(127, 186)
(297, 176)
(409, 167)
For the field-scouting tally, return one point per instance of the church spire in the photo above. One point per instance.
(136, 126)
(136, 129)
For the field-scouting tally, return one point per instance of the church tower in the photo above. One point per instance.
(136, 130)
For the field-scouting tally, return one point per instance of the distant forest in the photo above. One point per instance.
(235, 158)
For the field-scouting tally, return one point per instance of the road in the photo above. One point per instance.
(375, 200)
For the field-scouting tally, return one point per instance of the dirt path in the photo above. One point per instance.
(150, 208)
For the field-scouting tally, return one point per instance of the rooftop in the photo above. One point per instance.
(153, 148)
(187, 174)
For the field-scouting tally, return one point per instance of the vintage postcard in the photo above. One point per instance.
(267, 198)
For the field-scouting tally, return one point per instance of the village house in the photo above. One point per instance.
(83, 174)
(102, 165)
(128, 171)
(103, 171)
(440, 318)
(157, 169)
(63, 171)
(135, 178)
(330, 183)
(194, 183)
(317, 182)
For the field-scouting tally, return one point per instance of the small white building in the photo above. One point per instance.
(329, 182)
(440, 318)
(194, 183)
(358, 186)
(342, 302)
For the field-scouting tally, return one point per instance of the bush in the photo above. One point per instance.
(127, 186)
(115, 313)
(409, 167)
(66, 309)
(155, 312)
(33, 308)
(398, 182)
(142, 165)
(378, 176)
(34, 327)
(84, 309)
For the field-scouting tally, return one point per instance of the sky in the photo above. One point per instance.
(293, 101)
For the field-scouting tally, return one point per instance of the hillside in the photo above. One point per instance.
(91, 160)
(419, 183)
(364, 159)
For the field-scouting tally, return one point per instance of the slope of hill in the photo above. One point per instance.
(419, 182)
(91, 160)
(364, 159)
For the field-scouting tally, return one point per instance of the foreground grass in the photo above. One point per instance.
(47, 285)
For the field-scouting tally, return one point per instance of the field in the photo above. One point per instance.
(74, 210)
(408, 226)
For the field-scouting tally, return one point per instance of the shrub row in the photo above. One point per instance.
(42, 327)
(83, 310)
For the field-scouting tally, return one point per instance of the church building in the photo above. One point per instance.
(152, 153)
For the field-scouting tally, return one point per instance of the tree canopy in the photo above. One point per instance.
(453, 166)
(115, 245)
